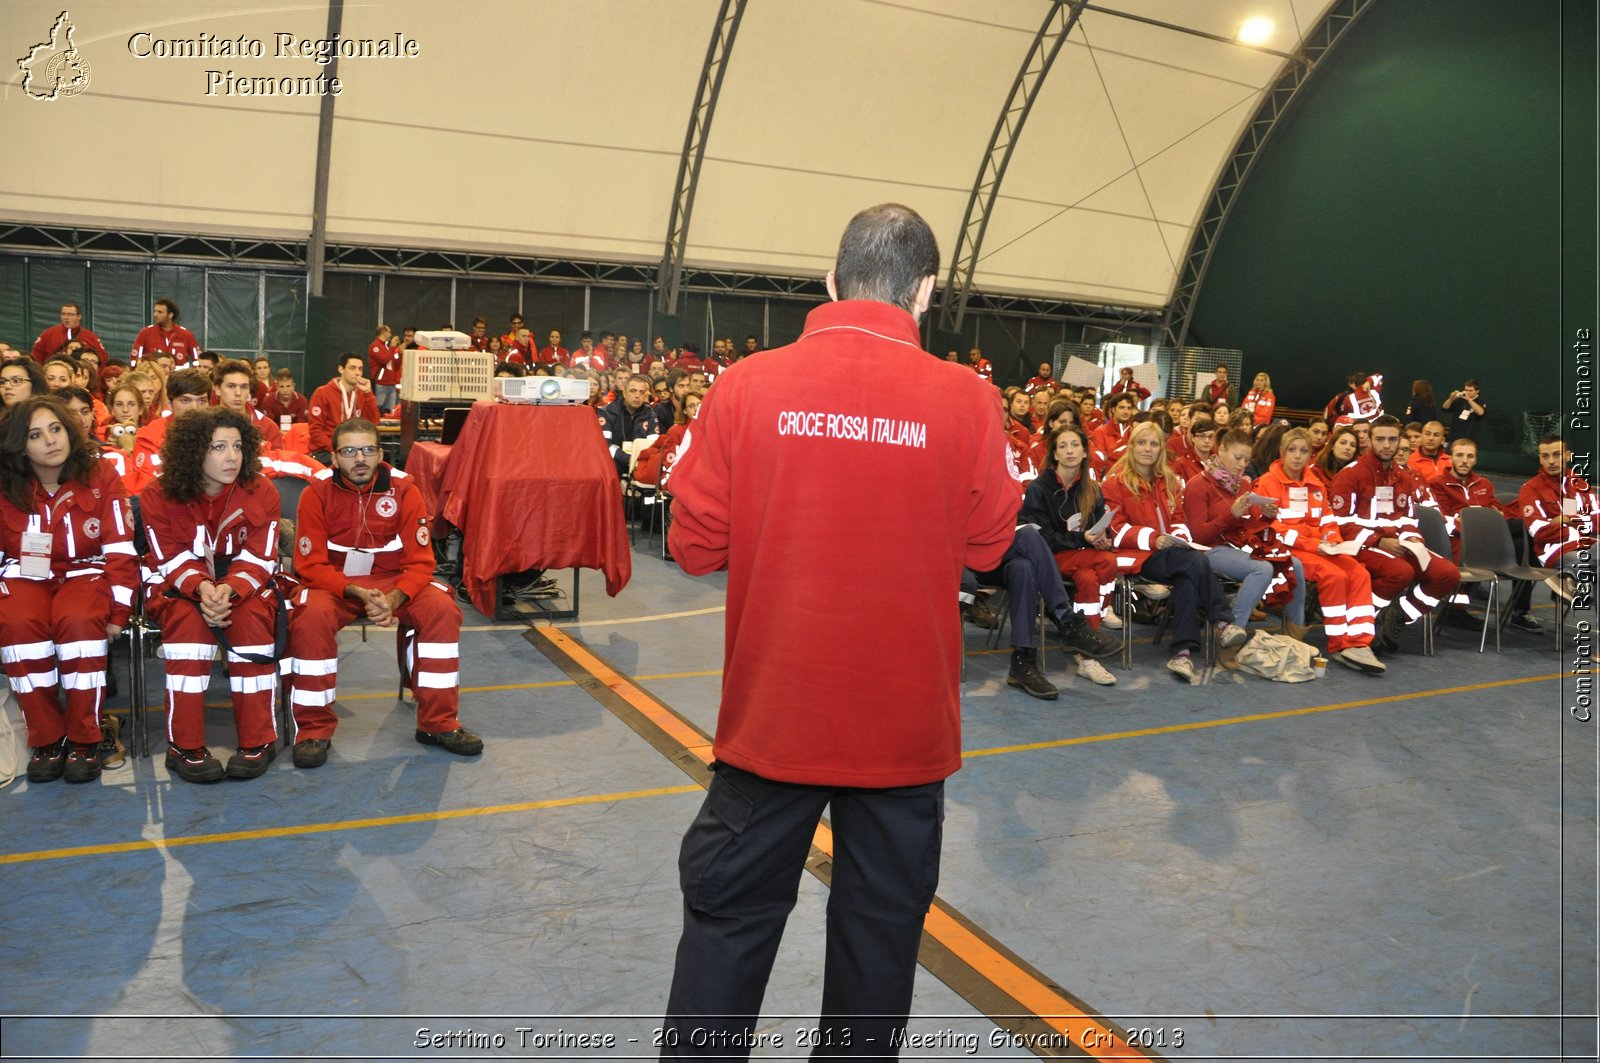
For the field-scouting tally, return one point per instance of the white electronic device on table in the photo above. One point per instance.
(541, 390)
(443, 341)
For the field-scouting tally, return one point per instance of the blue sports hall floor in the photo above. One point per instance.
(1356, 867)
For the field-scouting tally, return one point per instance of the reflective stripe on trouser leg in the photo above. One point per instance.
(1093, 574)
(28, 655)
(435, 657)
(81, 609)
(254, 686)
(1434, 584)
(1345, 591)
(314, 625)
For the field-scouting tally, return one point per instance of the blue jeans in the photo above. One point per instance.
(1254, 577)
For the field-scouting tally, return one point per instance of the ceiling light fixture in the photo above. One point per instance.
(1257, 30)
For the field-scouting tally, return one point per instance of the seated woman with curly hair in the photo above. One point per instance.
(67, 576)
(212, 521)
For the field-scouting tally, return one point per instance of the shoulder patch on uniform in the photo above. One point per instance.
(1338, 502)
(305, 546)
(422, 535)
(91, 527)
(316, 411)
(1527, 511)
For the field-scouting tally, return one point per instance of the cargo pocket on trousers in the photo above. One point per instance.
(711, 846)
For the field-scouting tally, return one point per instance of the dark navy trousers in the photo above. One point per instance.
(740, 868)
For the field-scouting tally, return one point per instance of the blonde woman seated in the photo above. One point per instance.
(1147, 519)
(1344, 586)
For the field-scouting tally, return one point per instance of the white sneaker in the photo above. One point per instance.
(1231, 635)
(1361, 659)
(1183, 668)
(1095, 672)
(1110, 619)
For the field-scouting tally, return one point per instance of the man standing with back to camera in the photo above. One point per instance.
(848, 710)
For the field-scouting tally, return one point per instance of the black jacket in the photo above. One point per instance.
(1049, 505)
(619, 427)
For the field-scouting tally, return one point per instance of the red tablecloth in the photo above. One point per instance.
(534, 487)
(425, 465)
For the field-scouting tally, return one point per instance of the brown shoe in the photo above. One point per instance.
(461, 742)
(113, 754)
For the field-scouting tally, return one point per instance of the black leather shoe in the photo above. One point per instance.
(461, 742)
(48, 762)
(83, 762)
(1026, 675)
(251, 763)
(193, 765)
(312, 752)
(1524, 622)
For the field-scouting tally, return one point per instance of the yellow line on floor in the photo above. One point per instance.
(340, 825)
(1258, 717)
(647, 619)
(376, 695)
(1090, 1034)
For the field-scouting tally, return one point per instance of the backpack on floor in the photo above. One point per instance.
(1277, 657)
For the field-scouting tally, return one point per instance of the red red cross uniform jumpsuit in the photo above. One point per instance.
(1344, 588)
(230, 540)
(1371, 500)
(53, 627)
(1544, 498)
(1106, 445)
(339, 527)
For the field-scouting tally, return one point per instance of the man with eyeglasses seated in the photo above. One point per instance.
(364, 550)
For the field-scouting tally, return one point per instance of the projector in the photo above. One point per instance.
(444, 341)
(541, 390)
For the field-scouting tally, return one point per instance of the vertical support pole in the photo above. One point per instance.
(317, 251)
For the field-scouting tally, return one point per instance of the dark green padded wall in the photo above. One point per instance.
(1407, 216)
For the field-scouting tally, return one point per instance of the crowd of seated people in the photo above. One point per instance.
(197, 439)
(1200, 492)
(1192, 497)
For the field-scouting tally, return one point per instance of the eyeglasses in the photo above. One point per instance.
(365, 452)
(12, 381)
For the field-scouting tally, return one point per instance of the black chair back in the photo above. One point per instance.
(1435, 536)
(1486, 541)
(289, 490)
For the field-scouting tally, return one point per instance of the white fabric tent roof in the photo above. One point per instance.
(555, 128)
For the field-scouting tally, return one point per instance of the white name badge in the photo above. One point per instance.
(357, 563)
(1383, 499)
(36, 549)
(284, 421)
(1298, 496)
(1569, 507)
(1466, 411)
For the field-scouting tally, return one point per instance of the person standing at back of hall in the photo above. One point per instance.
(786, 473)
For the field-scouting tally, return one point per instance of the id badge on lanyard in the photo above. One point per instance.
(1383, 497)
(37, 547)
